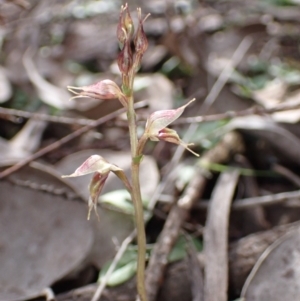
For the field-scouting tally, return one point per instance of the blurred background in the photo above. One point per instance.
(239, 59)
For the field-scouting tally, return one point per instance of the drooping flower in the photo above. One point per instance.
(101, 169)
(156, 126)
(105, 89)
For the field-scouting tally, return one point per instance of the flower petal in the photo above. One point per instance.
(105, 89)
(140, 40)
(94, 163)
(161, 119)
(95, 188)
(171, 136)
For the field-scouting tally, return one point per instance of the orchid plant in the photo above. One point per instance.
(156, 129)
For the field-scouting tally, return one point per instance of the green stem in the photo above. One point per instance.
(137, 202)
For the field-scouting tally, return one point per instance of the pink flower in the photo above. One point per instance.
(101, 169)
(156, 126)
(105, 89)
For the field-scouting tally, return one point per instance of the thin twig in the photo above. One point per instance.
(287, 173)
(256, 110)
(266, 200)
(60, 142)
(178, 215)
(45, 117)
(208, 102)
(216, 238)
(113, 265)
(179, 212)
(49, 118)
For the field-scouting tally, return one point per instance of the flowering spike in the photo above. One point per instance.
(101, 169)
(125, 27)
(140, 40)
(105, 89)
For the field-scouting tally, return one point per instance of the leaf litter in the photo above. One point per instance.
(45, 235)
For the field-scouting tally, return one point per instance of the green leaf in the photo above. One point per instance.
(124, 269)
(119, 200)
(179, 250)
(286, 72)
(121, 274)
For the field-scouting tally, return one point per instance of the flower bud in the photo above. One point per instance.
(125, 27)
(125, 59)
(140, 40)
(105, 89)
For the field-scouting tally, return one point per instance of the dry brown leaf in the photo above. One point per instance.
(24, 143)
(48, 93)
(46, 236)
(275, 277)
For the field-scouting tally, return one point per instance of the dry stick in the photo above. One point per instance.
(243, 254)
(255, 110)
(158, 259)
(60, 142)
(45, 117)
(113, 265)
(266, 200)
(208, 102)
(237, 56)
(216, 238)
(56, 119)
(255, 217)
(231, 143)
(287, 173)
(195, 268)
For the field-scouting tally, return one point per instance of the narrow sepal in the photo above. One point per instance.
(161, 119)
(95, 188)
(171, 136)
(94, 163)
(125, 27)
(105, 89)
(140, 40)
(156, 127)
